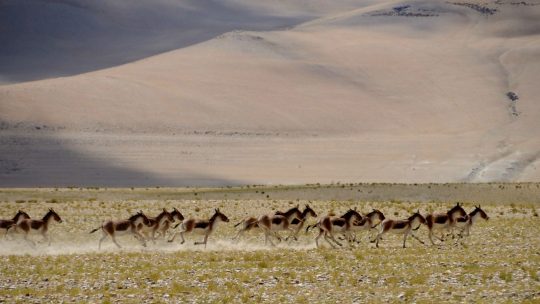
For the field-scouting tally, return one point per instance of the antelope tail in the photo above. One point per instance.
(94, 230)
(179, 225)
(9, 227)
(234, 225)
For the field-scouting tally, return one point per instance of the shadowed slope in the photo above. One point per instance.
(45, 160)
(42, 39)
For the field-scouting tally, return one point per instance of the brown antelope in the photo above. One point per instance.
(291, 214)
(368, 222)
(443, 221)
(248, 223)
(298, 223)
(177, 216)
(402, 226)
(330, 224)
(465, 223)
(6, 224)
(271, 224)
(155, 224)
(28, 225)
(205, 227)
(123, 227)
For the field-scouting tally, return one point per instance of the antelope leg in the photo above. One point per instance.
(328, 240)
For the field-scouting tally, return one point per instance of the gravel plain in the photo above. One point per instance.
(498, 263)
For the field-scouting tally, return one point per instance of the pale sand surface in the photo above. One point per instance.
(350, 91)
(172, 160)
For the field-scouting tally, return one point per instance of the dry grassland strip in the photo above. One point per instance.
(491, 193)
(498, 263)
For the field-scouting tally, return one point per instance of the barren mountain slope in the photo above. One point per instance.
(412, 91)
(51, 38)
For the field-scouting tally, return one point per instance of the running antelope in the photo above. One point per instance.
(205, 227)
(298, 223)
(330, 224)
(123, 227)
(249, 223)
(402, 226)
(6, 224)
(28, 226)
(368, 222)
(271, 224)
(176, 216)
(292, 216)
(155, 224)
(444, 221)
(465, 223)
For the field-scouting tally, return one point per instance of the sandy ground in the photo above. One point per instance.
(120, 160)
(497, 263)
(427, 91)
(52, 159)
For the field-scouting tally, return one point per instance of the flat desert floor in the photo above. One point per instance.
(498, 263)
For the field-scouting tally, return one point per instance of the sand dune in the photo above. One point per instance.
(346, 91)
(42, 38)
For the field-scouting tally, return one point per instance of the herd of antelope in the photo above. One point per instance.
(292, 221)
